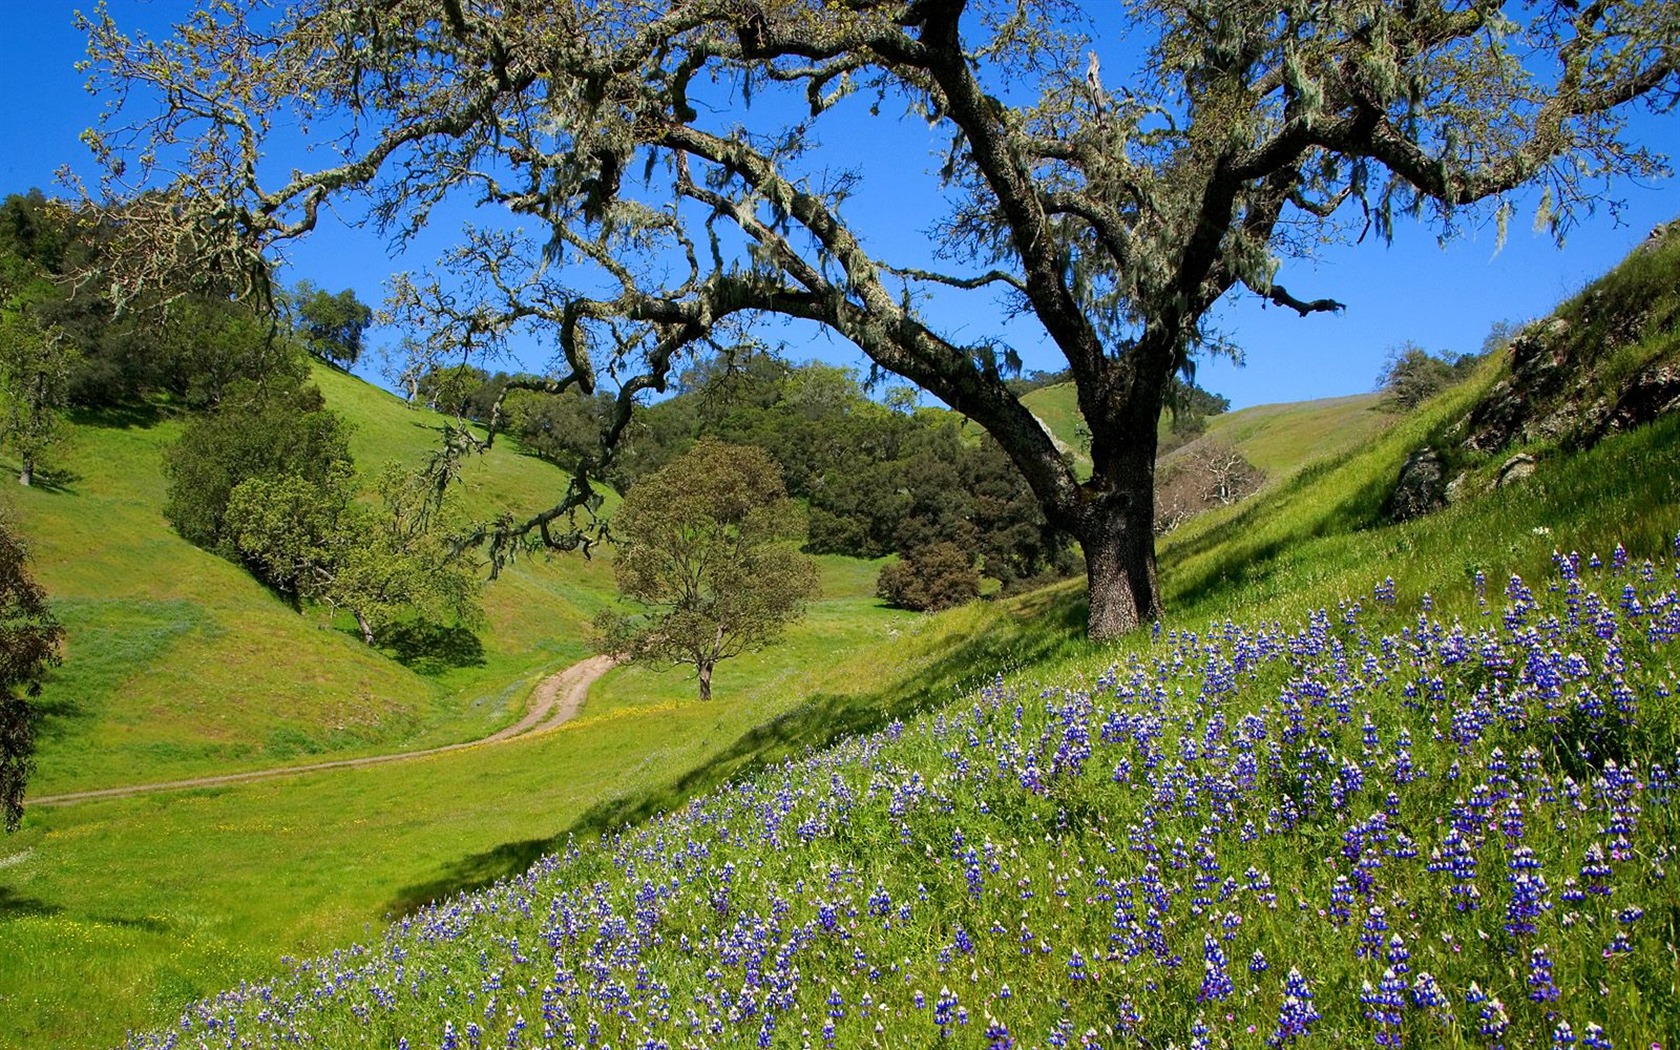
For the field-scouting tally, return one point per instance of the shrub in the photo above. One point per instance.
(937, 576)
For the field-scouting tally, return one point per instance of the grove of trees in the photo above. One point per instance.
(877, 478)
(262, 474)
(1114, 211)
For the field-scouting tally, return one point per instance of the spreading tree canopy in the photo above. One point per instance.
(656, 207)
(709, 550)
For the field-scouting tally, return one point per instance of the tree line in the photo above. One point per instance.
(874, 476)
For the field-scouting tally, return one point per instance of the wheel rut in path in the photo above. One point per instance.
(553, 703)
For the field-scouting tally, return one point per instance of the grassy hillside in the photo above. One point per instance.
(1045, 860)
(1061, 842)
(1279, 439)
(118, 913)
(178, 663)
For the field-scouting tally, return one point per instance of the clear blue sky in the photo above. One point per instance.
(1442, 298)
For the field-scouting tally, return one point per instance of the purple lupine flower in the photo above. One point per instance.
(943, 1009)
(1427, 995)
(1383, 1005)
(1370, 934)
(1398, 957)
(1216, 984)
(1541, 988)
(1296, 1015)
(1491, 1019)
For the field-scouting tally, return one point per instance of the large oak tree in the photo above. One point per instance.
(1115, 212)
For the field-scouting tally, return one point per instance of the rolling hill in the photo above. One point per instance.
(1350, 748)
(180, 664)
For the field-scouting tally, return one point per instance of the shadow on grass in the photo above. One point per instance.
(58, 482)
(13, 906)
(431, 648)
(136, 416)
(1044, 624)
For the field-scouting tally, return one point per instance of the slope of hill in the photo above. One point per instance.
(179, 663)
(1279, 439)
(1240, 830)
(1227, 831)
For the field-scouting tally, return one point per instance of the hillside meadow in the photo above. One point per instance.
(1368, 782)
(126, 910)
(179, 664)
(461, 821)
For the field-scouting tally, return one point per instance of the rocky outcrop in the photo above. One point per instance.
(1558, 389)
(1608, 361)
(1518, 468)
(1540, 371)
(1653, 392)
(1422, 487)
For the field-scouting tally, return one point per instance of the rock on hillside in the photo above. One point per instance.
(1607, 361)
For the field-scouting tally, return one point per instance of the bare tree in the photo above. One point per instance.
(1249, 132)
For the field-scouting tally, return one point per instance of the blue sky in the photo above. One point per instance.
(1444, 298)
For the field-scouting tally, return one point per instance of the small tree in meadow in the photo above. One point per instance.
(709, 548)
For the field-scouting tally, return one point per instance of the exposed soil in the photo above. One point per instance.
(553, 703)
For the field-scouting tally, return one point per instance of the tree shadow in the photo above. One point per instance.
(431, 648)
(145, 923)
(13, 906)
(140, 415)
(55, 714)
(58, 481)
(1057, 625)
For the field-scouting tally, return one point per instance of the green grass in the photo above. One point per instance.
(1279, 439)
(124, 910)
(178, 664)
(117, 913)
(121, 911)
(1057, 407)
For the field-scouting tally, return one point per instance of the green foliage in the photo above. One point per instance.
(402, 560)
(310, 539)
(875, 480)
(931, 578)
(255, 432)
(329, 326)
(708, 548)
(35, 369)
(187, 337)
(1412, 375)
(30, 639)
(561, 428)
(456, 391)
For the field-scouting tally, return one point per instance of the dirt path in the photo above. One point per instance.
(553, 703)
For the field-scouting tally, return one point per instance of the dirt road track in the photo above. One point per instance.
(553, 703)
